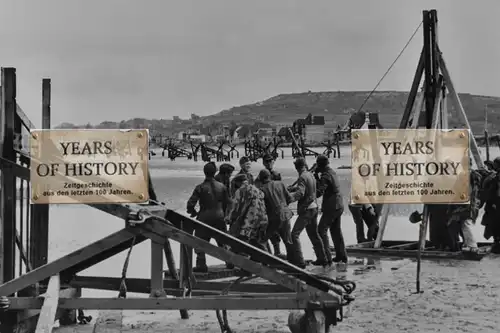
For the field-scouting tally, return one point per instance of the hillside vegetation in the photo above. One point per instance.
(336, 107)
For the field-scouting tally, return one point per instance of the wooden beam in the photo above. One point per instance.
(138, 285)
(461, 112)
(24, 118)
(410, 109)
(119, 238)
(194, 303)
(39, 222)
(27, 318)
(17, 170)
(157, 270)
(47, 317)
(8, 180)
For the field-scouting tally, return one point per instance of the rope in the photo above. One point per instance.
(123, 286)
(223, 321)
(390, 67)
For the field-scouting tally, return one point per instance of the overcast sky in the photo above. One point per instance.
(118, 59)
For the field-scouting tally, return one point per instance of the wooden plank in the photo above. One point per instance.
(47, 317)
(140, 285)
(393, 253)
(294, 301)
(123, 236)
(109, 321)
(405, 246)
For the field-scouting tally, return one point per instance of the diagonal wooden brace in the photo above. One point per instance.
(163, 229)
(120, 239)
(256, 254)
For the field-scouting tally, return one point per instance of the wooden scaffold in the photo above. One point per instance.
(41, 292)
(427, 110)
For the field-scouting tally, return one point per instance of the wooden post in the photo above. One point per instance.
(8, 180)
(39, 221)
(410, 105)
(157, 270)
(172, 269)
(47, 317)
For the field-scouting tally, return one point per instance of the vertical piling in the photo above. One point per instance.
(8, 182)
(39, 222)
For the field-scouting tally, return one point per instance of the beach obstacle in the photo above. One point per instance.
(174, 151)
(301, 149)
(256, 148)
(428, 110)
(41, 292)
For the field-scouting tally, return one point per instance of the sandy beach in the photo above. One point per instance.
(458, 296)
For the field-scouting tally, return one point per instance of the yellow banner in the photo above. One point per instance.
(410, 166)
(89, 166)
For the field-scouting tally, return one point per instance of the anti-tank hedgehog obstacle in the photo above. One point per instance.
(41, 292)
(429, 110)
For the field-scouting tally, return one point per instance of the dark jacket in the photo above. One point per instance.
(328, 186)
(277, 198)
(226, 181)
(305, 191)
(275, 175)
(213, 199)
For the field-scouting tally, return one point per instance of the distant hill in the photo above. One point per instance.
(336, 107)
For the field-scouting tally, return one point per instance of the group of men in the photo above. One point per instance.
(257, 209)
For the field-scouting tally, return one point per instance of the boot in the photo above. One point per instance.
(495, 249)
(201, 264)
(320, 263)
(276, 249)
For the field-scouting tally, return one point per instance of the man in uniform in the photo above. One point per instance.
(224, 175)
(277, 198)
(268, 162)
(467, 214)
(214, 200)
(490, 198)
(307, 208)
(247, 218)
(332, 208)
(246, 166)
(365, 214)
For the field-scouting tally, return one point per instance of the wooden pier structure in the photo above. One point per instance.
(427, 110)
(34, 292)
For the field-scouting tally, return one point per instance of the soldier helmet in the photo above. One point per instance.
(322, 161)
(240, 178)
(267, 158)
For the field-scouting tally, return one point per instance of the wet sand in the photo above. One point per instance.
(458, 296)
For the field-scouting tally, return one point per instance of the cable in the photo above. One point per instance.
(390, 67)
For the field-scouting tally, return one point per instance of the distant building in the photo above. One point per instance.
(199, 138)
(279, 126)
(181, 136)
(265, 134)
(312, 128)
